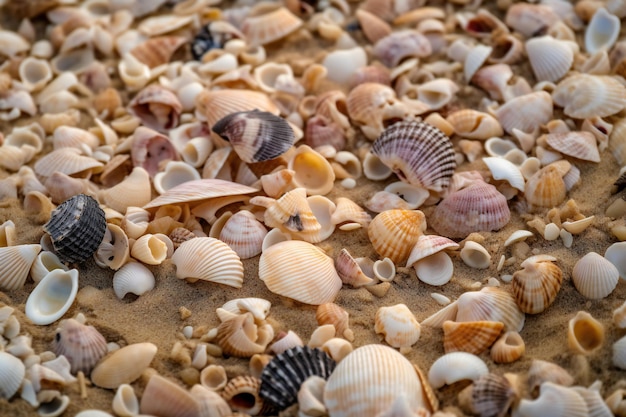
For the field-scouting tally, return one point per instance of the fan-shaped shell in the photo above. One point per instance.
(490, 304)
(549, 58)
(67, 161)
(133, 191)
(536, 286)
(194, 191)
(52, 297)
(545, 188)
(456, 366)
(490, 395)
(82, 345)
(526, 112)
(398, 325)
(553, 400)
(471, 336)
(393, 233)
(331, 313)
(162, 396)
(503, 169)
(12, 373)
(15, 264)
(208, 259)
(291, 213)
(418, 153)
(581, 145)
(244, 234)
(585, 95)
(283, 268)
(269, 27)
(399, 45)
(427, 245)
(594, 276)
(123, 366)
(158, 50)
(132, 278)
(530, 19)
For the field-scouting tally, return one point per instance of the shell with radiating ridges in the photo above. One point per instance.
(398, 325)
(549, 58)
(393, 233)
(553, 400)
(269, 27)
(132, 278)
(331, 313)
(158, 50)
(68, 161)
(471, 336)
(164, 397)
(427, 245)
(594, 276)
(350, 271)
(490, 395)
(82, 345)
(123, 366)
(283, 267)
(240, 337)
(244, 234)
(456, 366)
(585, 95)
(508, 348)
(581, 145)
(418, 153)
(208, 259)
(536, 286)
(526, 112)
(194, 191)
(290, 213)
(15, 264)
(242, 394)
(545, 188)
(12, 373)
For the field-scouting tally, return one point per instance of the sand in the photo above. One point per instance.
(155, 316)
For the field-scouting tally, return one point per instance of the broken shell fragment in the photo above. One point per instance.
(398, 326)
(456, 366)
(52, 297)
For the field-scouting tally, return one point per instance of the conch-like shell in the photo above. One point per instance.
(508, 348)
(312, 171)
(456, 366)
(473, 124)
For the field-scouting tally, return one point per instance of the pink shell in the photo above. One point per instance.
(157, 107)
(400, 45)
(150, 148)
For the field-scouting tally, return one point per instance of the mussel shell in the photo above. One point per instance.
(283, 375)
(256, 135)
(77, 228)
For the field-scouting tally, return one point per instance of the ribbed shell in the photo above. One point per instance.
(536, 286)
(398, 324)
(82, 345)
(77, 228)
(292, 213)
(492, 395)
(594, 276)
(242, 394)
(239, 336)
(123, 366)
(427, 245)
(393, 233)
(472, 336)
(244, 234)
(549, 58)
(12, 372)
(197, 190)
(418, 153)
(163, 397)
(400, 45)
(283, 375)
(256, 135)
(526, 112)
(269, 27)
(208, 259)
(286, 270)
(369, 380)
(157, 51)
(66, 161)
(508, 348)
(490, 304)
(545, 188)
(581, 145)
(132, 278)
(331, 313)
(554, 400)
(15, 264)
(585, 95)
(479, 207)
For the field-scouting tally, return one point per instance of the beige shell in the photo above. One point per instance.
(244, 234)
(594, 276)
(581, 145)
(114, 251)
(257, 306)
(585, 334)
(526, 112)
(162, 396)
(45, 262)
(490, 394)
(550, 58)
(472, 336)
(508, 348)
(586, 95)
(242, 394)
(398, 326)
(541, 371)
(290, 213)
(208, 259)
(285, 341)
(436, 269)
(282, 267)
(133, 191)
(82, 345)
(123, 366)
(211, 403)
(149, 249)
(240, 337)
(554, 400)
(475, 255)
(347, 211)
(374, 28)
(125, 402)
(277, 183)
(393, 233)
(158, 50)
(269, 27)
(331, 313)
(15, 264)
(545, 188)
(175, 173)
(619, 353)
(350, 271)
(312, 171)
(473, 124)
(536, 286)
(67, 161)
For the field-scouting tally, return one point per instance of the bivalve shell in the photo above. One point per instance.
(545, 188)
(15, 264)
(475, 255)
(581, 145)
(331, 313)
(456, 366)
(398, 325)
(549, 58)
(132, 278)
(393, 233)
(594, 276)
(536, 286)
(164, 397)
(82, 345)
(473, 124)
(123, 366)
(490, 304)
(269, 27)
(52, 297)
(602, 31)
(244, 234)
(490, 395)
(427, 245)
(615, 254)
(471, 336)
(12, 373)
(554, 400)
(585, 95)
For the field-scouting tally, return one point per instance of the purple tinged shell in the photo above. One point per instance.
(82, 345)
(418, 153)
(392, 49)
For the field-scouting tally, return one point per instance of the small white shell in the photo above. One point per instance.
(456, 366)
(553, 400)
(436, 269)
(602, 31)
(594, 276)
(550, 58)
(585, 334)
(502, 169)
(11, 374)
(475, 255)
(176, 173)
(616, 254)
(384, 270)
(132, 278)
(52, 297)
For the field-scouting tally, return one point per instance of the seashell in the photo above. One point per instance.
(52, 297)
(398, 326)
(585, 95)
(394, 232)
(208, 259)
(536, 286)
(418, 153)
(312, 171)
(489, 395)
(132, 278)
(34, 73)
(335, 64)
(194, 191)
(581, 145)
(16, 263)
(240, 337)
(473, 336)
(462, 213)
(291, 213)
(595, 403)
(213, 377)
(82, 345)
(257, 306)
(427, 245)
(213, 35)
(157, 108)
(456, 366)
(158, 50)
(209, 401)
(549, 58)
(280, 268)
(125, 401)
(67, 161)
(475, 255)
(134, 73)
(435, 269)
(602, 31)
(542, 371)
(38, 205)
(614, 254)
(242, 394)
(349, 270)
(114, 251)
(553, 400)
(526, 112)
(62, 187)
(502, 169)
(476, 58)
(45, 262)
(244, 234)
(473, 124)
(585, 334)
(322, 208)
(594, 276)
(159, 25)
(384, 270)
(399, 45)
(123, 366)
(133, 191)
(350, 212)
(13, 371)
(162, 396)
(530, 19)
(285, 341)
(374, 28)
(372, 380)
(67, 136)
(176, 173)
(545, 188)
(75, 60)
(269, 27)
(374, 169)
(618, 359)
(77, 228)
(331, 313)
(322, 131)
(310, 396)
(507, 49)
(508, 348)
(437, 93)
(255, 135)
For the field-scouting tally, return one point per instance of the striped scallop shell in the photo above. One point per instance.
(244, 234)
(240, 337)
(490, 304)
(256, 135)
(545, 188)
(473, 124)
(490, 395)
(82, 345)
(15, 264)
(581, 145)
(158, 50)
(292, 213)
(536, 286)
(208, 259)
(194, 191)
(585, 95)
(399, 45)
(418, 153)
(371, 381)
(285, 268)
(123, 366)
(549, 58)
(594, 276)
(269, 27)
(508, 348)
(479, 207)
(471, 336)
(331, 313)
(393, 233)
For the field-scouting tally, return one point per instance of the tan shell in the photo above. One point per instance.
(473, 124)
(312, 171)
(240, 337)
(133, 191)
(581, 145)
(490, 395)
(536, 286)
(393, 233)
(374, 28)
(585, 334)
(162, 396)
(508, 348)
(269, 27)
(195, 191)
(242, 394)
(348, 211)
(113, 252)
(586, 95)
(472, 336)
(594, 276)
(398, 325)
(149, 249)
(545, 188)
(67, 161)
(427, 245)
(123, 366)
(244, 234)
(290, 213)
(331, 313)
(158, 50)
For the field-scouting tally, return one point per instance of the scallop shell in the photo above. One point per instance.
(536, 286)
(156, 107)
(132, 278)
(398, 326)
(602, 31)
(347, 211)
(543, 371)
(525, 112)
(585, 95)
(594, 276)
(281, 268)
(488, 304)
(244, 234)
(490, 395)
(162, 396)
(52, 297)
(241, 337)
(394, 232)
(82, 345)
(418, 153)
(158, 50)
(285, 341)
(11, 374)
(67, 161)
(255, 135)
(331, 313)
(399, 45)
(208, 259)
(291, 213)
(269, 27)
(545, 188)
(585, 334)
(553, 400)
(372, 380)
(123, 366)
(456, 366)
(15, 264)
(581, 145)
(472, 336)
(473, 124)
(549, 58)
(508, 348)
(476, 58)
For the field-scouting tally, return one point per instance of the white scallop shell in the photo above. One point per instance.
(585, 95)
(54, 295)
(398, 325)
(132, 278)
(549, 58)
(526, 112)
(15, 264)
(12, 372)
(594, 276)
(456, 366)
(475, 59)
(502, 169)
(244, 234)
(602, 31)
(553, 400)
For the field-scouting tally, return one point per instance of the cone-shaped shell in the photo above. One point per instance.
(269, 27)
(15, 264)
(244, 234)
(11, 374)
(585, 334)
(581, 145)
(472, 336)
(208, 259)
(393, 233)
(594, 276)
(239, 337)
(549, 58)
(585, 95)
(369, 380)
(123, 366)
(82, 345)
(350, 271)
(536, 286)
(283, 267)
(398, 325)
(52, 297)
(165, 398)
(418, 153)
(193, 191)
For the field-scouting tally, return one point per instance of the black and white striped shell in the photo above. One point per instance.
(256, 135)
(418, 153)
(76, 228)
(283, 375)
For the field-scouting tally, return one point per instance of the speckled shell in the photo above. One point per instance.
(471, 336)
(585, 95)
(123, 366)
(282, 376)
(256, 135)
(545, 188)
(240, 337)
(418, 153)
(77, 228)
(594, 276)
(269, 27)
(370, 380)
(244, 234)
(479, 207)
(82, 345)
(581, 145)
(393, 233)
(536, 286)
(400, 45)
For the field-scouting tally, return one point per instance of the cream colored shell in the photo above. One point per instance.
(594, 276)
(585, 334)
(15, 264)
(398, 325)
(123, 366)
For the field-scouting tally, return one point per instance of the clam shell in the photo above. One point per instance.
(82, 345)
(536, 286)
(132, 278)
(176, 173)
(244, 234)
(399, 45)
(602, 31)
(594, 276)
(15, 264)
(123, 366)
(208, 259)
(549, 58)
(427, 245)
(473, 124)
(331, 313)
(281, 268)
(490, 304)
(489, 395)
(374, 28)
(456, 366)
(581, 145)
(164, 397)
(52, 297)
(255, 135)
(418, 153)
(508, 348)
(476, 58)
(67, 161)
(242, 394)
(526, 112)
(503, 169)
(394, 232)
(133, 191)
(554, 400)
(398, 326)
(291, 213)
(472, 336)
(585, 334)
(545, 188)
(241, 337)
(530, 19)
(435, 269)
(269, 27)
(475, 255)
(12, 373)
(585, 95)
